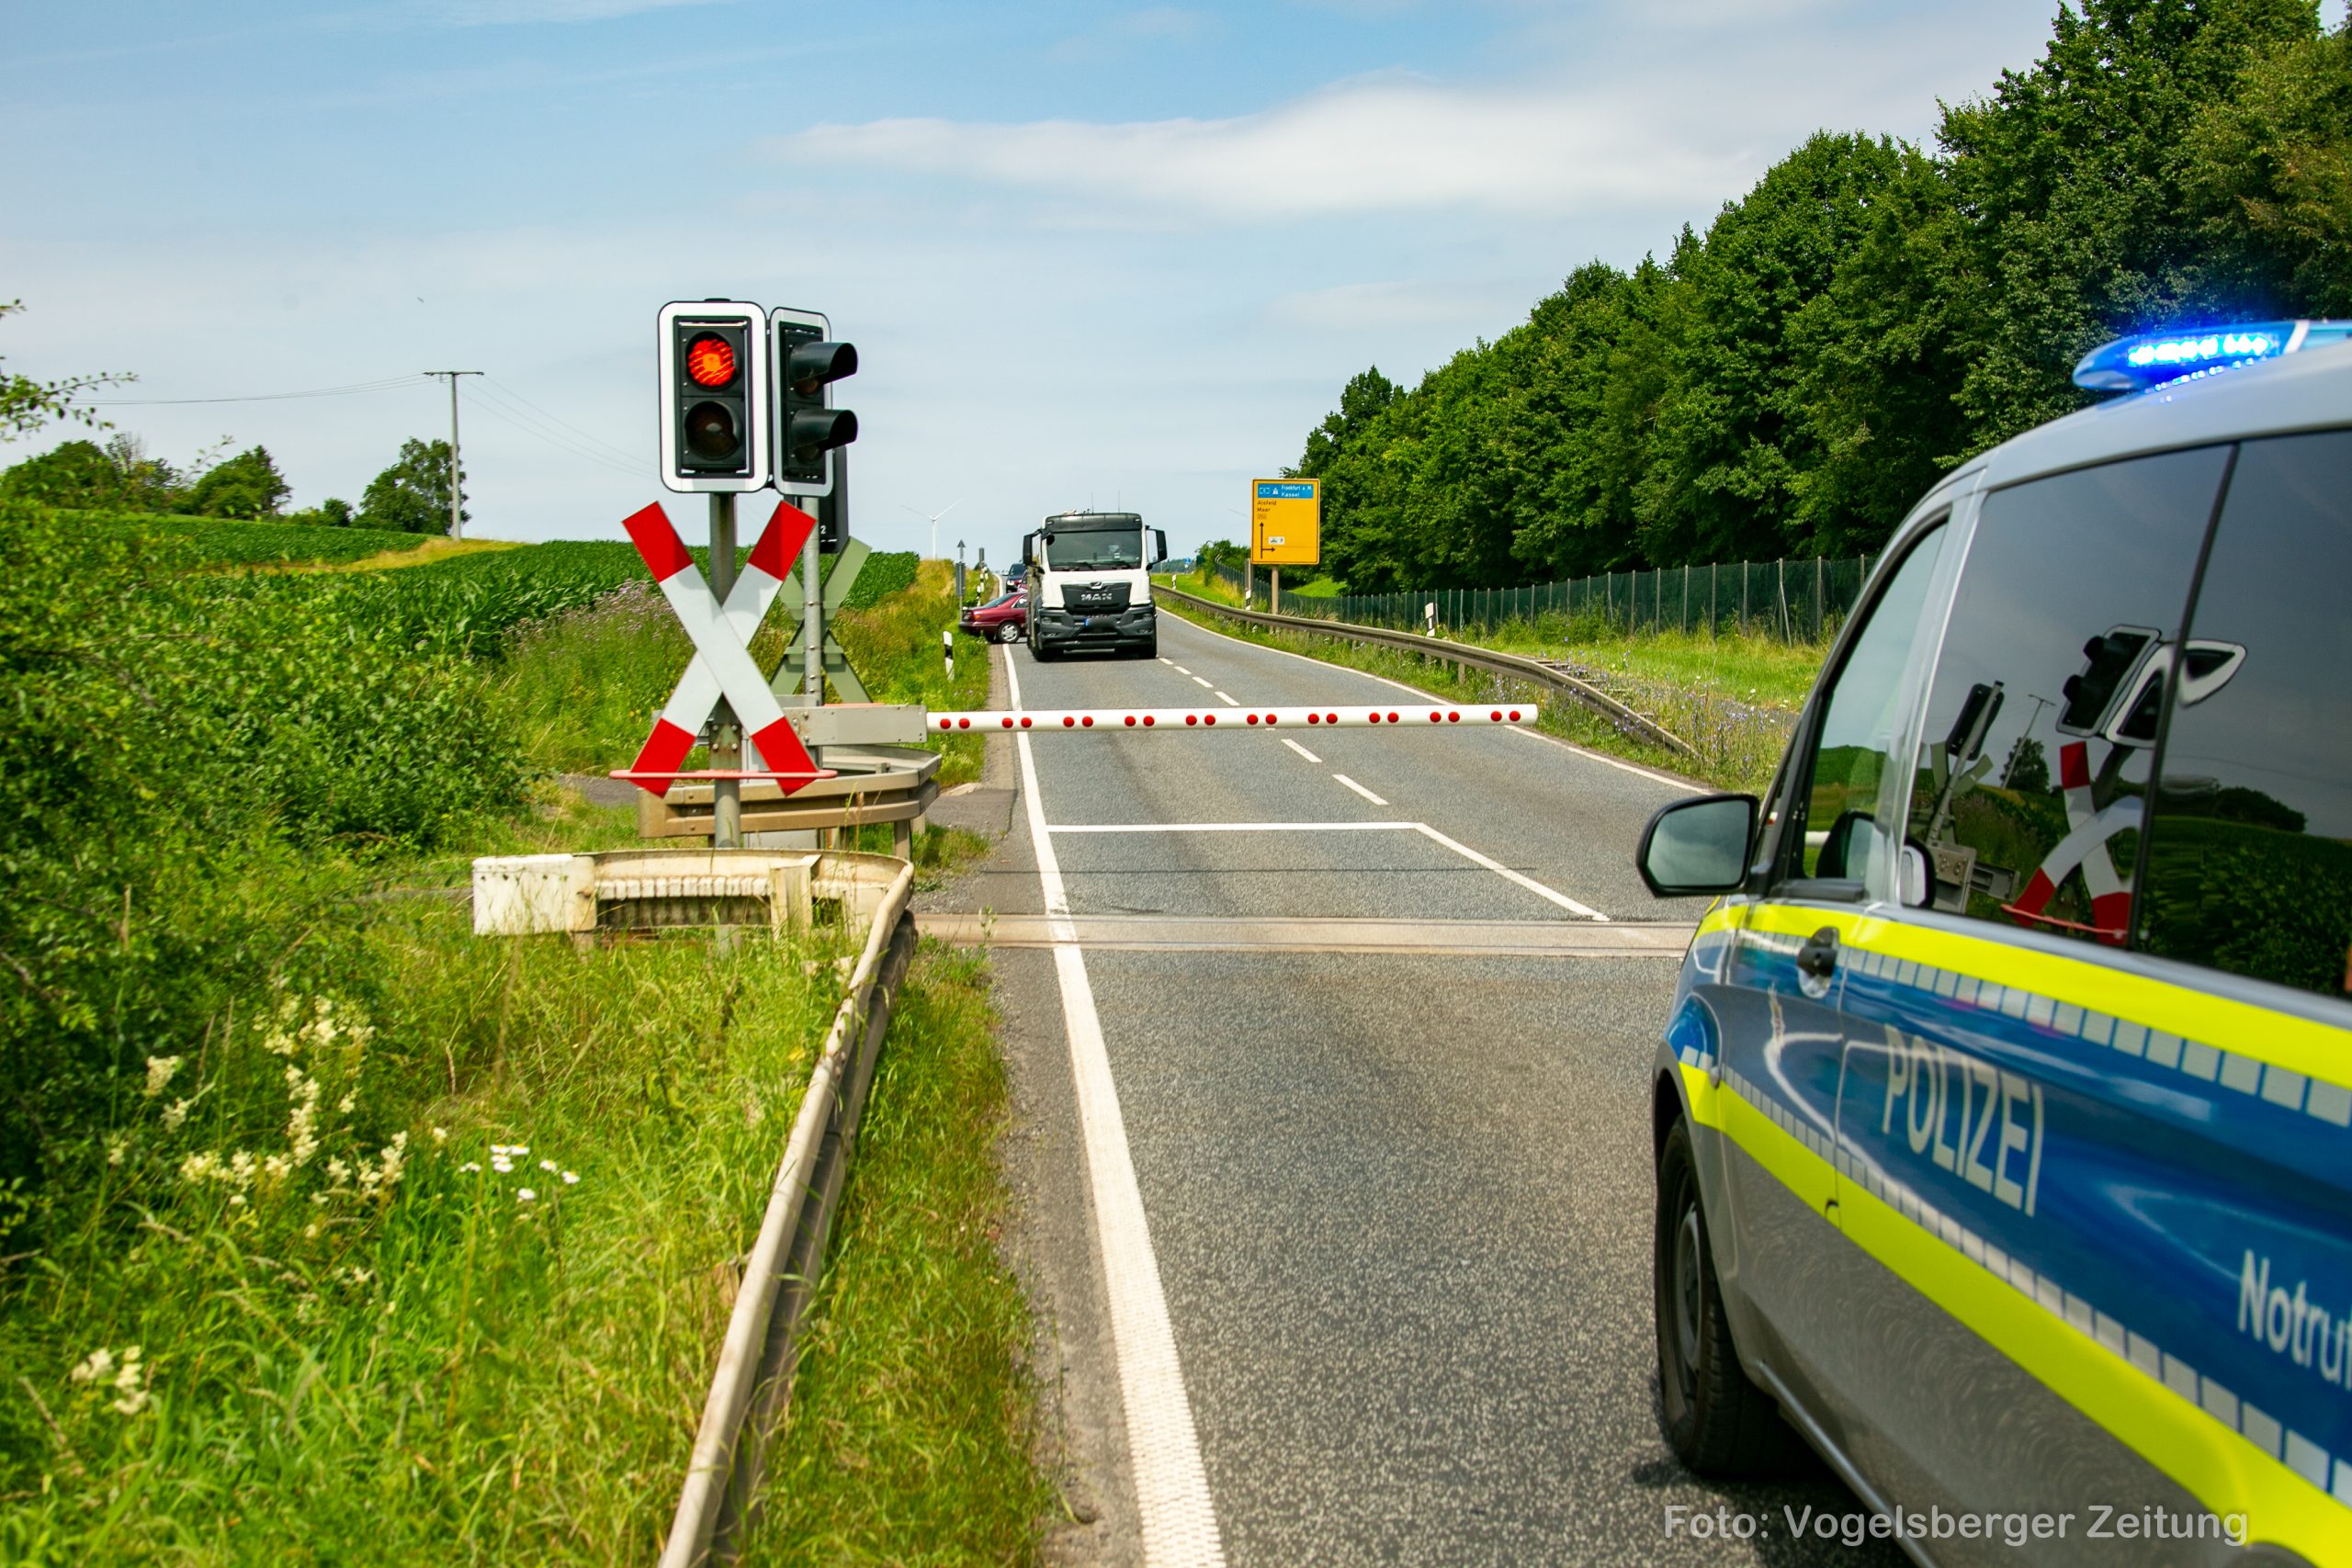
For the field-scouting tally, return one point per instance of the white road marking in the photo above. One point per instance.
(1230, 702)
(1170, 662)
(1586, 752)
(1359, 789)
(1555, 895)
(1198, 681)
(1060, 829)
(1550, 894)
(1178, 668)
(1301, 749)
(1178, 1520)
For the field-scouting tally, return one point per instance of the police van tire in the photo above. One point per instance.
(1714, 1419)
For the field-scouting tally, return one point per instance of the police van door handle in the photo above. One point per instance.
(1818, 956)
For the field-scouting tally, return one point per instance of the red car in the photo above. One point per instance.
(1004, 618)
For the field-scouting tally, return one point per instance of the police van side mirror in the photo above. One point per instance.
(1698, 846)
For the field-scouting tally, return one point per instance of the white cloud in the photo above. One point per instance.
(1366, 146)
(1358, 308)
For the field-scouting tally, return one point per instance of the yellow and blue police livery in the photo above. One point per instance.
(2004, 1118)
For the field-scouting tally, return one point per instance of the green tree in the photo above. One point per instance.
(74, 473)
(412, 495)
(2269, 171)
(26, 404)
(247, 485)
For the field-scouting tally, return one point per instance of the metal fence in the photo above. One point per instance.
(1793, 600)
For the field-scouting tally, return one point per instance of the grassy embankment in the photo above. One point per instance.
(331, 1233)
(1734, 697)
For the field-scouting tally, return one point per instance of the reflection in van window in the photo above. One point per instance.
(1854, 748)
(2029, 790)
(2250, 849)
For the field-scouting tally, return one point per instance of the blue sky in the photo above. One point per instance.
(1089, 253)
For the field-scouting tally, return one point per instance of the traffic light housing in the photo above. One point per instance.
(714, 391)
(807, 362)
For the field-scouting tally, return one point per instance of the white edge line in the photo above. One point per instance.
(1685, 786)
(1178, 1520)
(1302, 750)
(1359, 789)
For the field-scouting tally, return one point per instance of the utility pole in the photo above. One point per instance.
(457, 524)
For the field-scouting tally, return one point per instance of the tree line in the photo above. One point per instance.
(411, 496)
(1871, 314)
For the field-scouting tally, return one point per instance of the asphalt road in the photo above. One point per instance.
(1397, 1205)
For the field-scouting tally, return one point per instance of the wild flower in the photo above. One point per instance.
(472, 1168)
(343, 1107)
(572, 1178)
(440, 1136)
(337, 1172)
(525, 1195)
(549, 1166)
(501, 1164)
(127, 1377)
(117, 1146)
(176, 1113)
(159, 1073)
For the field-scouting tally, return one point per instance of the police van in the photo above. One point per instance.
(2004, 1116)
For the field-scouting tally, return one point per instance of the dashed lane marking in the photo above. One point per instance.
(1301, 750)
(1230, 702)
(1359, 789)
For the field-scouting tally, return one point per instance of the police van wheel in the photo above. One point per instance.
(1716, 1421)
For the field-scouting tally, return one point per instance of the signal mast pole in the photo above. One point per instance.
(457, 522)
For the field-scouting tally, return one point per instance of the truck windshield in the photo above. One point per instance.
(1091, 549)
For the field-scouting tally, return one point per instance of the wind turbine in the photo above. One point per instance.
(934, 517)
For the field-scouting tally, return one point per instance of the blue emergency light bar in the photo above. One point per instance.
(2136, 364)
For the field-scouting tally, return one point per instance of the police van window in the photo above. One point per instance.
(2028, 792)
(1853, 750)
(2249, 861)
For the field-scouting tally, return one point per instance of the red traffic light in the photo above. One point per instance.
(710, 360)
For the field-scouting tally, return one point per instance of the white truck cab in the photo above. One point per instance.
(1089, 584)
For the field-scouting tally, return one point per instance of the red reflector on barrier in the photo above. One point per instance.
(1435, 717)
(1315, 719)
(1454, 719)
(1025, 721)
(963, 724)
(1392, 719)
(1514, 715)
(1069, 722)
(1208, 718)
(1253, 718)
(1008, 723)
(1497, 716)
(1147, 721)
(1189, 719)
(946, 724)
(1131, 721)
(1373, 717)
(1087, 721)
(1330, 718)
(1273, 719)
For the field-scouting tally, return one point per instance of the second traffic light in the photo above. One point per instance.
(714, 395)
(808, 428)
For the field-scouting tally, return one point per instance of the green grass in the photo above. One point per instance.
(236, 542)
(368, 1352)
(439, 1369)
(587, 683)
(1738, 739)
(911, 1425)
(1321, 588)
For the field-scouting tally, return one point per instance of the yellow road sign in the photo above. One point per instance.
(1287, 521)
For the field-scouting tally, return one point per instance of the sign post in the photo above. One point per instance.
(726, 739)
(1285, 526)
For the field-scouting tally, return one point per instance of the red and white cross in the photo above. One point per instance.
(722, 664)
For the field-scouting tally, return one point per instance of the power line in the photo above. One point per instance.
(569, 448)
(382, 386)
(636, 457)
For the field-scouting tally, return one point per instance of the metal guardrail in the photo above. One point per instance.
(1464, 656)
(758, 1357)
